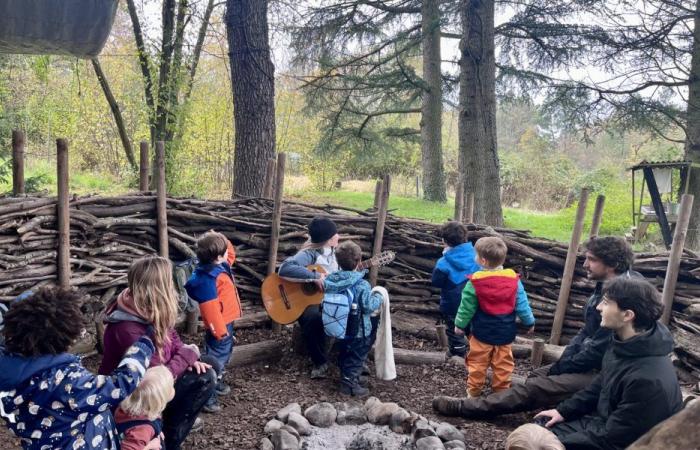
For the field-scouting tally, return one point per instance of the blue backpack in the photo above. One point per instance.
(336, 310)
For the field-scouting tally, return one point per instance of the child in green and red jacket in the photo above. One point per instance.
(490, 301)
(212, 285)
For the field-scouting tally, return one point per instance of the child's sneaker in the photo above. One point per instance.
(197, 425)
(347, 387)
(222, 388)
(319, 372)
(211, 407)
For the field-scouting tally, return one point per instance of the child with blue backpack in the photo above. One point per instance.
(347, 305)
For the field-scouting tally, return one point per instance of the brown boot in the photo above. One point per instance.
(447, 406)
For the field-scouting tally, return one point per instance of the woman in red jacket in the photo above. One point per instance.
(149, 306)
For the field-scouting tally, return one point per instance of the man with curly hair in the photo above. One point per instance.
(47, 398)
(637, 387)
(606, 258)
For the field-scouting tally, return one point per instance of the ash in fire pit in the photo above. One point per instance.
(373, 425)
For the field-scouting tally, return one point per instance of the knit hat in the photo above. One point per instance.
(321, 229)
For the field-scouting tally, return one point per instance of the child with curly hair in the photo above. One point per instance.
(49, 399)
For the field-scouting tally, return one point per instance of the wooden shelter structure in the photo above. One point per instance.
(665, 191)
(77, 28)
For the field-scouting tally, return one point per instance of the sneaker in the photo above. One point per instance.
(363, 381)
(211, 408)
(473, 395)
(449, 354)
(354, 390)
(447, 406)
(319, 372)
(222, 388)
(197, 425)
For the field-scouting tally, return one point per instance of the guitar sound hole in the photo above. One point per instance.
(309, 288)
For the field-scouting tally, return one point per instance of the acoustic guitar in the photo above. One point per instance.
(286, 300)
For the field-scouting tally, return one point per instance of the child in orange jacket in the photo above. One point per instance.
(213, 287)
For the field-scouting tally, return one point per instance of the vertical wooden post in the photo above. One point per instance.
(674, 258)
(569, 267)
(469, 208)
(17, 162)
(144, 170)
(386, 185)
(63, 215)
(417, 186)
(161, 201)
(379, 229)
(597, 215)
(270, 173)
(378, 189)
(537, 352)
(440, 331)
(459, 201)
(276, 213)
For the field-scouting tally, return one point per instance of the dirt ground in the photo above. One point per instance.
(262, 389)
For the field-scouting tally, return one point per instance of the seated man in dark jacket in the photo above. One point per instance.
(637, 386)
(606, 258)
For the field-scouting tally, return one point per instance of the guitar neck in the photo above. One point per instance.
(367, 263)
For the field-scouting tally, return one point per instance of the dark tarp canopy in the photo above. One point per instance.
(64, 27)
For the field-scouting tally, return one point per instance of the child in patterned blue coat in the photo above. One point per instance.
(47, 398)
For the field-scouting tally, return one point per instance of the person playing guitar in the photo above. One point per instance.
(318, 250)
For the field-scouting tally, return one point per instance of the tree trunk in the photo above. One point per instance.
(431, 109)
(116, 112)
(252, 77)
(692, 146)
(478, 154)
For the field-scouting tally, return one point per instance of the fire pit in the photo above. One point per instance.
(373, 425)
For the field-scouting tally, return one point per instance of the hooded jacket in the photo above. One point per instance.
(342, 280)
(636, 389)
(450, 275)
(214, 288)
(52, 401)
(585, 351)
(294, 267)
(124, 327)
(490, 301)
(135, 432)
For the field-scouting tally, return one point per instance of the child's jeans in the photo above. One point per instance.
(221, 351)
(481, 356)
(457, 343)
(351, 357)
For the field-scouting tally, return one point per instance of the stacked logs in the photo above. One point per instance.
(108, 233)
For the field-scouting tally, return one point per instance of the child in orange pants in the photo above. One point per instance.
(491, 300)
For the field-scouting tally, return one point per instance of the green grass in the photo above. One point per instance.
(40, 177)
(556, 225)
(399, 206)
(551, 226)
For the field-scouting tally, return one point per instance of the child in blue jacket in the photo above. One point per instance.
(356, 345)
(49, 399)
(450, 275)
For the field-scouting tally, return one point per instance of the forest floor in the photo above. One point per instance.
(260, 390)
